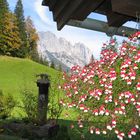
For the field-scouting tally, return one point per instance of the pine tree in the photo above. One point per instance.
(4, 9)
(60, 67)
(19, 12)
(52, 65)
(32, 38)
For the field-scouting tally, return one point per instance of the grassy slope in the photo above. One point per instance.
(16, 73)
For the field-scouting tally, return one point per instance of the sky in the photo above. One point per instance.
(43, 21)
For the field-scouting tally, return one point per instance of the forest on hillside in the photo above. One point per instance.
(18, 36)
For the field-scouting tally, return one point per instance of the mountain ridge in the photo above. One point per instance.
(50, 46)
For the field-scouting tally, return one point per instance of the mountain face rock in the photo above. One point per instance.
(61, 51)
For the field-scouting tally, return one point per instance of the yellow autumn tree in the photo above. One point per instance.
(10, 42)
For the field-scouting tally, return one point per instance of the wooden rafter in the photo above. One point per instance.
(68, 12)
(87, 7)
(117, 11)
(126, 7)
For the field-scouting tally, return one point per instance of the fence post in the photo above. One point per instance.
(43, 84)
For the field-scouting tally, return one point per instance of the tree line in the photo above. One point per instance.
(18, 36)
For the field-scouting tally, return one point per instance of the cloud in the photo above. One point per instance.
(93, 40)
(42, 12)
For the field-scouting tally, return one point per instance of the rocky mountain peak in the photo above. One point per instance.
(52, 48)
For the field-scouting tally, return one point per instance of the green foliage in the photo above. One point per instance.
(29, 101)
(17, 38)
(10, 42)
(7, 104)
(32, 37)
(41, 60)
(54, 108)
(52, 65)
(3, 9)
(19, 12)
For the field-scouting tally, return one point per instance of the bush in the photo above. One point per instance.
(54, 108)
(107, 91)
(7, 104)
(29, 102)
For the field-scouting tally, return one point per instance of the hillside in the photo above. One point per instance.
(16, 74)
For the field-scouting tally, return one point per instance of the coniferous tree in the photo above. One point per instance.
(32, 38)
(9, 34)
(4, 9)
(60, 67)
(19, 12)
(52, 65)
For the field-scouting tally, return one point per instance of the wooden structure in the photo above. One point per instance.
(117, 11)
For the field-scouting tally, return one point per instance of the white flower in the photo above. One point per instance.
(91, 131)
(116, 131)
(97, 132)
(129, 136)
(136, 126)
(109, 127)
(101, 112)
(133, 133)
(96, 113)
(104, 132)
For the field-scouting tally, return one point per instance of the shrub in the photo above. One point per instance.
(107, 91)
(54, 108)
(29, 104)
(7, 104)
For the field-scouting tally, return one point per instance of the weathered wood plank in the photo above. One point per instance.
(85, 9)
(49, 3)
(96, 25)
(115, 19)
(68, 12)
(58, 8)
(126, 7)
(52, 4)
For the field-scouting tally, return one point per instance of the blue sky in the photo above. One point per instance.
(43, 21)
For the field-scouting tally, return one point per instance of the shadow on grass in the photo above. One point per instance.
(6, 137)
(67, 133)
(83, 133)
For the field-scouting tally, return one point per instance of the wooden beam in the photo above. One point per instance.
(96, 25)
(59, 6)
(126, 7)
(52, 4)
(85, 9)
(49, 3)
(115, 19)
(67, 12)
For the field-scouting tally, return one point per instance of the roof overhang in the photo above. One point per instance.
(72, 12)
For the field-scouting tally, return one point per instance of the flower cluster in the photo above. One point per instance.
(109, 87)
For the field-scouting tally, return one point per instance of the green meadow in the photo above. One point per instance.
(16, 74)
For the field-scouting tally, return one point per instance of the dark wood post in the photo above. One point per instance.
(43, 84)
